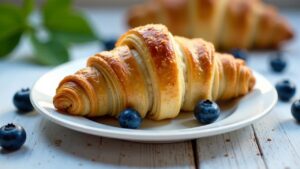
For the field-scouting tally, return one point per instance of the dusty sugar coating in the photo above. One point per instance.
(161, 51)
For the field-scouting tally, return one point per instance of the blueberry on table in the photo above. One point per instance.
(278, 63)
(12, 136)
(109, 44)
(22, 101)
(296, 110)
(286, 90)
(239, 53)
(206, 111)
(130, 118)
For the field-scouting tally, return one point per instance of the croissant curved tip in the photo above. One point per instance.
(285, 29)
(284, 33)
(68, 99)
(289, 33)
(62, 103)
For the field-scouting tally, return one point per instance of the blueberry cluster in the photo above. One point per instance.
(286, 89)
(13, 136)
(205, 112)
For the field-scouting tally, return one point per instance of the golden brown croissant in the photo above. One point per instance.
(155, 73)
(226, 23)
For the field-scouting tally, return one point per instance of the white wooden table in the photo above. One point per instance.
(272, 142)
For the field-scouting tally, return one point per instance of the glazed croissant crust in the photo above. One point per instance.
(155, 73)
(226, 23)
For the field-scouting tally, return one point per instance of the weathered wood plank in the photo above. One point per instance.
(236, 149)
(278, 137)
(50, 145)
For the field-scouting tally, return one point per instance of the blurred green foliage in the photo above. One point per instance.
(64, 26)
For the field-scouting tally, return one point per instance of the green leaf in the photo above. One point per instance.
(28, 6)
(9, 43)
(51, 6)
(12, 25)
(11, 20)
(51, 52)
(66, 24)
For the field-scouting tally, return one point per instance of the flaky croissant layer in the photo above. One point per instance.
(155, 73)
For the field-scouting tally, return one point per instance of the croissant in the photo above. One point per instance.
(155, 73)
(247, 24)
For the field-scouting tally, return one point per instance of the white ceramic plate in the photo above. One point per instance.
(235, 114)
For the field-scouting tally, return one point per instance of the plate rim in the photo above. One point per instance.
(146, 136)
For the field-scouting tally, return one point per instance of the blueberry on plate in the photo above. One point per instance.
(12, 136)
(239, 53)
(278, 63)
(109, 44)
(286, 90)
(22, 101)
(296, 110)
(130, 118)
(206, 111)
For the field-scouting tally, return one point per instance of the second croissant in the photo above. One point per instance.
(228, 24)
(154, 73)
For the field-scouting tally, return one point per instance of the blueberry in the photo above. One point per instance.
(296, 110)
(206, 111)
(286, 90)
(130, 118)
(278, 63)
(22, 101)
(109, 44)
(12, 136)
(239, 53)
